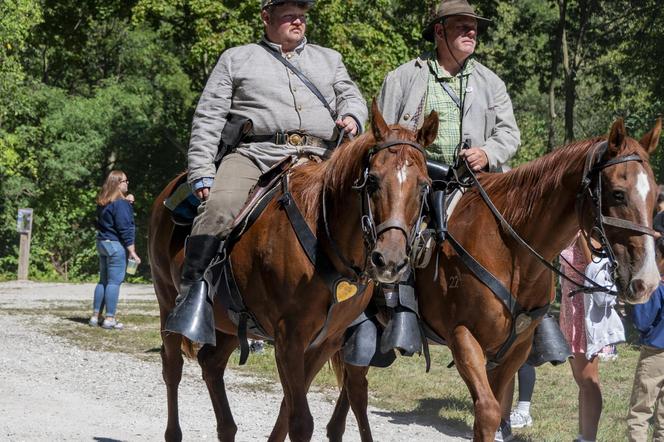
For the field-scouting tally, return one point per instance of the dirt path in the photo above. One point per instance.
(51, 390)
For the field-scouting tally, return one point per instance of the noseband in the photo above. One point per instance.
(592, 174)
(371, 232)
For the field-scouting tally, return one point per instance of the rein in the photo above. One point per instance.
(371, 232)
(521, 318)
(592, 174)
(592, 170)
(341, 287)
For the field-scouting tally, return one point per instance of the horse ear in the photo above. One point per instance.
(378, 125)
(617, 136)
(429, 131)
(650, 140)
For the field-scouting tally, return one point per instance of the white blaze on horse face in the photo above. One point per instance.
(648, 272)
(643, 185)
(402, 173)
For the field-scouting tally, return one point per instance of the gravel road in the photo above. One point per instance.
(51, 390)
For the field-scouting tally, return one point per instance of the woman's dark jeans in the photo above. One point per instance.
(112, 266)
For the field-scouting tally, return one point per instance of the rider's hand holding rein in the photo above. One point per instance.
(476, 157)
(348, 124)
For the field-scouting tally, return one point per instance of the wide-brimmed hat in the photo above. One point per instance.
(448, 8)
(267, 3)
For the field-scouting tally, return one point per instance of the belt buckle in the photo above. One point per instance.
(296, 139)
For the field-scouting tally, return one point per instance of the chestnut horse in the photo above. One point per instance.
(281, 287)
(539, 200)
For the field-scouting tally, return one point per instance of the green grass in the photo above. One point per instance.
(437, 398)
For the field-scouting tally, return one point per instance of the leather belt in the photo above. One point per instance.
(292, 138)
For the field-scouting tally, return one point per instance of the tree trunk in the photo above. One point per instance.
(569, 87)
(571, 62)
(555, 63)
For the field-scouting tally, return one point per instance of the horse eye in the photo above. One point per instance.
(619, 196)
(373, 183)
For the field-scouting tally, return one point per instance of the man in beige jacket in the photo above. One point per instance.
(288, 120)
(473, 105)
(471, 100)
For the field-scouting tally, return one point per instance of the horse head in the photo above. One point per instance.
(396, 183)
(624, 202)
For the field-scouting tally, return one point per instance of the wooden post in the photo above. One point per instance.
(24, 228)
(24, 256)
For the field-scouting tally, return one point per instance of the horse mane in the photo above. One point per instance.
(341, 170)
(517, 192)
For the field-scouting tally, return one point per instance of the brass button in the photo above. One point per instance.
(289, 55)
(406, 117)
(295, 139)
(299, 108)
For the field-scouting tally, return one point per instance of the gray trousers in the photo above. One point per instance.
(236, 176)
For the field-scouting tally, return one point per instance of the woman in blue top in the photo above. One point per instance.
(115, 234)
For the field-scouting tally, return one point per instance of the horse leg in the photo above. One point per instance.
(337, 424)
(171, 363)
(213, 362)
(501, 378)
(314, 360)
(470, 362)
(353, 394)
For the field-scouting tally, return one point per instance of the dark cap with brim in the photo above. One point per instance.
(449, 8)
(268, 3)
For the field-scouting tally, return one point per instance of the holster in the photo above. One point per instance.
(235, 129)
(549, 344)
(361, 345)
(403, 330)
(440, 175)
(438, 209)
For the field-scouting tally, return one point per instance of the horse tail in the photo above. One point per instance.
(338, 366)
(189, 348)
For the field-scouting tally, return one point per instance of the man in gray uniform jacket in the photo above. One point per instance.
(288, 119)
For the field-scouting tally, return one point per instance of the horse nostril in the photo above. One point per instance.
(378, 259)
(637, 286)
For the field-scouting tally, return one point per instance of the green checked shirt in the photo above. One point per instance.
(443, 148)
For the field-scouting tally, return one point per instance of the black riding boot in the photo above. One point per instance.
(362, 342)
(403, 329)
(193, 316)
(549, 344)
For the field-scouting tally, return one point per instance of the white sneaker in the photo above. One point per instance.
(519, 419)
(111, 323)
(94, 321)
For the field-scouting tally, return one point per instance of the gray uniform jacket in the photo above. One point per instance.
(488, 118)
(247, 81)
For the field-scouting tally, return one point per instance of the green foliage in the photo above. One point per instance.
(89, 85)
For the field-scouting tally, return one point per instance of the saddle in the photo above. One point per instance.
(219, 273)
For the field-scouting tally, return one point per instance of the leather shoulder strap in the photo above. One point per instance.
(302, 77)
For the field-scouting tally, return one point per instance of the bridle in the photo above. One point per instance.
(588, 192)
(593, 166)
(521, 318)
(371, 231)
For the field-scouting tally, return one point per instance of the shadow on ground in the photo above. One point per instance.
(78, 319)
(427, 414)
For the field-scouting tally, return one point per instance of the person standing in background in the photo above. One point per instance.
(648, 391)
(115, 240)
